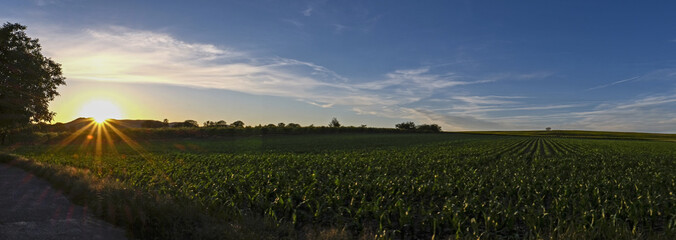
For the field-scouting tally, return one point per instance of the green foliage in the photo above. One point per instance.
(405, 126)
(410, 126)
(221, 123)
(334, 123)
(429, 128)
(446, 185)
(586, 134)
(187, 124)
(190, 123)
(238, 124)
(209, 124)
(28, 80)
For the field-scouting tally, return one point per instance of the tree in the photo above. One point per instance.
(221, 123)
(429, 128)
(281, 125)
(238, 123)
(293, 125)
(209, 124)
(334, 123)
(28, 80)
(187, 123)
(406, 126)
(190, 123)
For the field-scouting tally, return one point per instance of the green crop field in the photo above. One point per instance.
(399, 186)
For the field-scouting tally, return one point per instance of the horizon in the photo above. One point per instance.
(463, 65)
(201, 124)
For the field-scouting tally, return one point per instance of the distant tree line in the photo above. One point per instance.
(152, 129)
(189, 124)
(269, 129)
(410, 126)
(149, 124)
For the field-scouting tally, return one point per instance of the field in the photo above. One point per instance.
(586, 134)
(398, 186)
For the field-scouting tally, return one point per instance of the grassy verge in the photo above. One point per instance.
(143, 215)
(151, 216)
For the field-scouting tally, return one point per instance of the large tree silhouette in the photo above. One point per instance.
(28, 80)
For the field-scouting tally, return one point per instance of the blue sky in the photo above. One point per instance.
(466, 65)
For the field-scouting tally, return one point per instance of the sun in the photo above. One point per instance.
(100, 110)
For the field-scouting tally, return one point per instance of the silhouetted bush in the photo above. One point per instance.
(405, 126)
(429, 128)
(238, 124)
(186, 124)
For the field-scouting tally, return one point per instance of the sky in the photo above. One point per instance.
(465, 65)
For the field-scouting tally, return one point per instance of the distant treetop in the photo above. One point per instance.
(334, 123)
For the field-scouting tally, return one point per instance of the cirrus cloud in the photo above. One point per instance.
(137, 56)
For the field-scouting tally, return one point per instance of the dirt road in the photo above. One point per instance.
(31, 209)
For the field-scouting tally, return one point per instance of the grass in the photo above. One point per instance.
(346, 186)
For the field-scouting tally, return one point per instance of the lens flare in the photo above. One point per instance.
(100, 110)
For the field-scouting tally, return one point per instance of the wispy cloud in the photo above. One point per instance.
(495, 100)
(647, 114)
(615, 83)
(327, 105)
(295, 23)
(126, 55)
(42, 3)
(417, 79)
(458, 122)
(651, 113)
(308, 11)
(648, 102)
(423, 94)
(338, 28)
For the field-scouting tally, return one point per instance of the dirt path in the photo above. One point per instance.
(31, 209)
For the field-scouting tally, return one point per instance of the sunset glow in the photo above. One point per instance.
(100, 110)
(305, 63)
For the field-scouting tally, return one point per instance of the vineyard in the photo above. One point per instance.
(404, 186)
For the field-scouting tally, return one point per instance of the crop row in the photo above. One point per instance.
(498, 187)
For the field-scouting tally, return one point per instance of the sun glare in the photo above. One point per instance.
(100, 110)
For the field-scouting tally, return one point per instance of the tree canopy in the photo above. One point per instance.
(429, 128)
(190, 123)
(334, 123)
(406, 126)
(238, 123)
(28, 80)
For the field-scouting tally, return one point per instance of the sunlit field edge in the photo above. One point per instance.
(375, 185)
